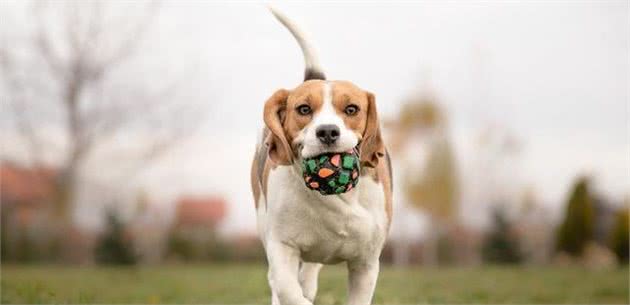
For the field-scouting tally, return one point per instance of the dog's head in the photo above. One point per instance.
(323, 116)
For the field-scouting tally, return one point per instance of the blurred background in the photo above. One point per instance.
(128, 130)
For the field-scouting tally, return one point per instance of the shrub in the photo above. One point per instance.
(115, 247)
(501, 245)
(619, 239)
(577, 228)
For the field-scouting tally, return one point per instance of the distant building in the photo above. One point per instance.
(24, 188)
(200, 212)
(193, 235)
(26, 209)
(31, 230)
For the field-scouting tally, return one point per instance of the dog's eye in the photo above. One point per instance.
(304, 109)
(351, 109)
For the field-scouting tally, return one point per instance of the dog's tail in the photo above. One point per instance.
(312, 70)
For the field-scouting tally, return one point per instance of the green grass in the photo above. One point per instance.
(240, 284)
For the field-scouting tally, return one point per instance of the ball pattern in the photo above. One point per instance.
(331, 173)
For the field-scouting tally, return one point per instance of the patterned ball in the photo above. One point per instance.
(331, 173)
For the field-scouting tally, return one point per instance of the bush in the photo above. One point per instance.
(501, 245)
(180, 248)
(577, 228)
(115, 247)
(619, 236)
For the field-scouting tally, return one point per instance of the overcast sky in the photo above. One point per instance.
(553, 74)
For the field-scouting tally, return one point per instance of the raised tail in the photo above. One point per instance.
(312, 68)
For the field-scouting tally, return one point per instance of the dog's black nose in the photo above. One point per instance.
(327, 134)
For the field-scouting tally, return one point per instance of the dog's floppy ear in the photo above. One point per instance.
(274, 116)
(372, 147)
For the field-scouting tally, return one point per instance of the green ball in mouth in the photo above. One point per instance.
(332, 173)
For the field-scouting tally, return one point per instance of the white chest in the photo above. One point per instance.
(325, 229)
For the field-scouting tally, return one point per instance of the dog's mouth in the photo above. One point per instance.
(299, 148)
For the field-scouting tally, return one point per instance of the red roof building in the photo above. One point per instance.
(200, 211)
(25, 185)
(25, 192)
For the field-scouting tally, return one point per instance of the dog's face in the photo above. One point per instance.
(322, 116)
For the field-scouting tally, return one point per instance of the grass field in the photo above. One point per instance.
(240, 284)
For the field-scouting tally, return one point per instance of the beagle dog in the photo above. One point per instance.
(301, 229)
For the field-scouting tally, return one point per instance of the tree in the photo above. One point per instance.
(436, 190)
(70, 73)
(432, 187)
(577, 228)
(115, 247)
(501, 245)
(620, 239)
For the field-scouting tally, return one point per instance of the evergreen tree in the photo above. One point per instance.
(577, 228)
(501, 245)
(619, 241)
(114, 247)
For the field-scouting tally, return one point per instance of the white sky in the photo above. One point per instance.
(555, 74)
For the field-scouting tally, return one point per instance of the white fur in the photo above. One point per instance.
(326, 115)
(310, 56)
(298, 225)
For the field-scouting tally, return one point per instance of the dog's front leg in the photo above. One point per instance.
(308, 279)
(284, 263)
(362, 277)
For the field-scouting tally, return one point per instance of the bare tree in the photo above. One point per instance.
(67, 75)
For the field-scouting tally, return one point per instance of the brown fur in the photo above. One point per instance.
(274, 116)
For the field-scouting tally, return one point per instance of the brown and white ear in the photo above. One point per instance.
(372, 147)
(274, 116)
